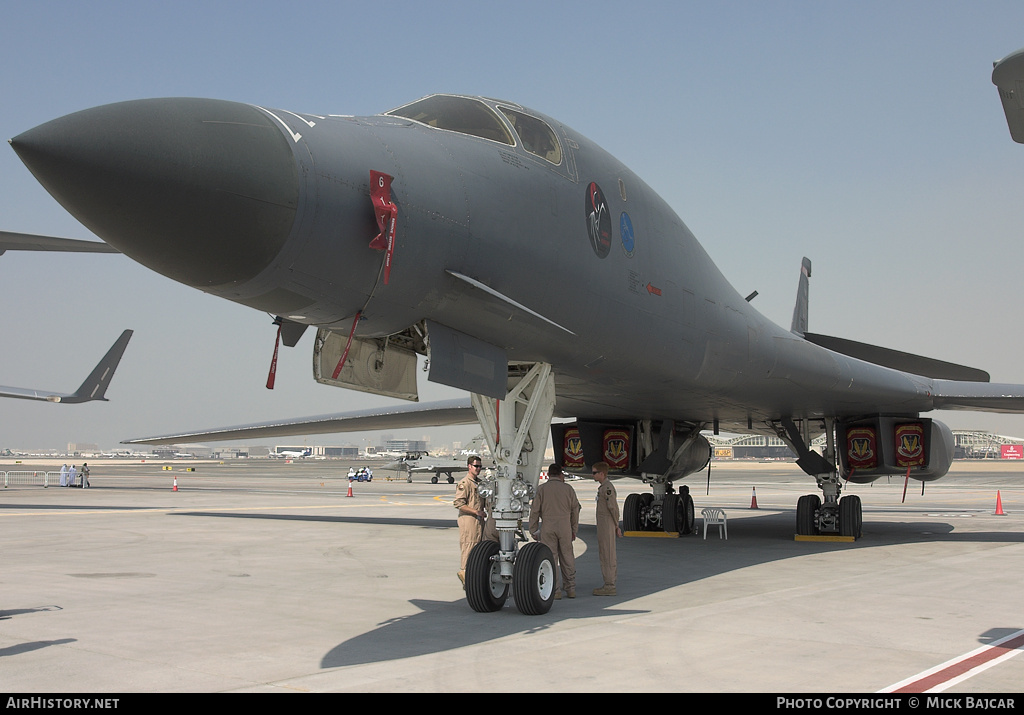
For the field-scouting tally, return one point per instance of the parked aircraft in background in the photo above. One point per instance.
(530, 267)
(421, 462)
(94, 387)
(291, 453)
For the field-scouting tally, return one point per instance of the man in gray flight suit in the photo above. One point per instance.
(554, 520)
(607, 528)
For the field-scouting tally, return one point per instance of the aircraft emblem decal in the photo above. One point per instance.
(861, 452)
(626, 232)
(599, 222)
(910, 445)
(616, 448)
(572, 451)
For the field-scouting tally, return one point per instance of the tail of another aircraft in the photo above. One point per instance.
(95, 386)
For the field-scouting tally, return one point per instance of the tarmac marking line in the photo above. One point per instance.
(948, 674)
(170, 510)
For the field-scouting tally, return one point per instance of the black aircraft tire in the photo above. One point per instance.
(485, 595)
(671, 513)
(850, 516)
(631, 513)
(689, 518)
(533, 579)
(433, 479)
(451, 479)
(805, 508)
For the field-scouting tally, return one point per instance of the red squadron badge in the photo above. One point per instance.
(572, 449)
(909, 439)
(861, 448)
(616, 448)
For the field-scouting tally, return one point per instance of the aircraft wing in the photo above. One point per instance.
(984, 396)
(10, 241)
(897, 360)
(93, 388)
(428, 414)
(439, 468)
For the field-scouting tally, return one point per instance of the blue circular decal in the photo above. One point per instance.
(626, 231)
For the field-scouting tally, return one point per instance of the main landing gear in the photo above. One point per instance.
(663, 510)
(828, 514)
(842, 516)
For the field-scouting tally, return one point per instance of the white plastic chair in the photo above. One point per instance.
(714, 516)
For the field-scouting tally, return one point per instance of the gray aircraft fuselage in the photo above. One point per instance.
(272, 209)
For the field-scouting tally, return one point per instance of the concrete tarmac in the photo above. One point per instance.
(264, 576)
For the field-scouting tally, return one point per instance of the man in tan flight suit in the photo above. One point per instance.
(472, 514)
(607, 528)
(554, 520)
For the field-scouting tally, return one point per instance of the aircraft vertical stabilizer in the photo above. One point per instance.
(94, 387)
(800, 309)
(1008, 77)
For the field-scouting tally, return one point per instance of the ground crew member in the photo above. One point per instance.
(472, 514)
(554, 520)
(607, 528)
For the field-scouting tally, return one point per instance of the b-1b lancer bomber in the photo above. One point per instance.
(531, 268)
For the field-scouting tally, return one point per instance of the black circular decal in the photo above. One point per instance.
(599, 220)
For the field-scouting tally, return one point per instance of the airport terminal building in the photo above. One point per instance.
(967, 445)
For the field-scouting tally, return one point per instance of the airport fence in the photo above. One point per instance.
(31, 479)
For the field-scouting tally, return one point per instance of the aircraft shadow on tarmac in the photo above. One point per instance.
(10, 613)
(646, 566)
(34, 645)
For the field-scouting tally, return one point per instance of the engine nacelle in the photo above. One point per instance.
(890, 444)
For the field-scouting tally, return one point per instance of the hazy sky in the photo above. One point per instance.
(865, 135)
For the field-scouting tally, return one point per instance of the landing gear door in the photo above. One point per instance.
(373, 365)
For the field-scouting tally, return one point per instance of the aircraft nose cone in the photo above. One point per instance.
(203, 191)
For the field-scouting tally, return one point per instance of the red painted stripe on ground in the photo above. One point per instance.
(958, 667)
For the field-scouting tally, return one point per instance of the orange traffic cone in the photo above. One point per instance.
(753, 497)
(999, 504)
(350, 488)
(175, 484)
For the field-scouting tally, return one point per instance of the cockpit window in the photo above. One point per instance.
(536, 135)
(457, 114)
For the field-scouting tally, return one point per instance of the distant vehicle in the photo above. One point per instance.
(360, 475)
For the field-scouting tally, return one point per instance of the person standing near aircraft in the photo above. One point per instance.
(607, 528)
(554, 520)
(64, 476)
(72, 475)
(472, 514)
(85, 475)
